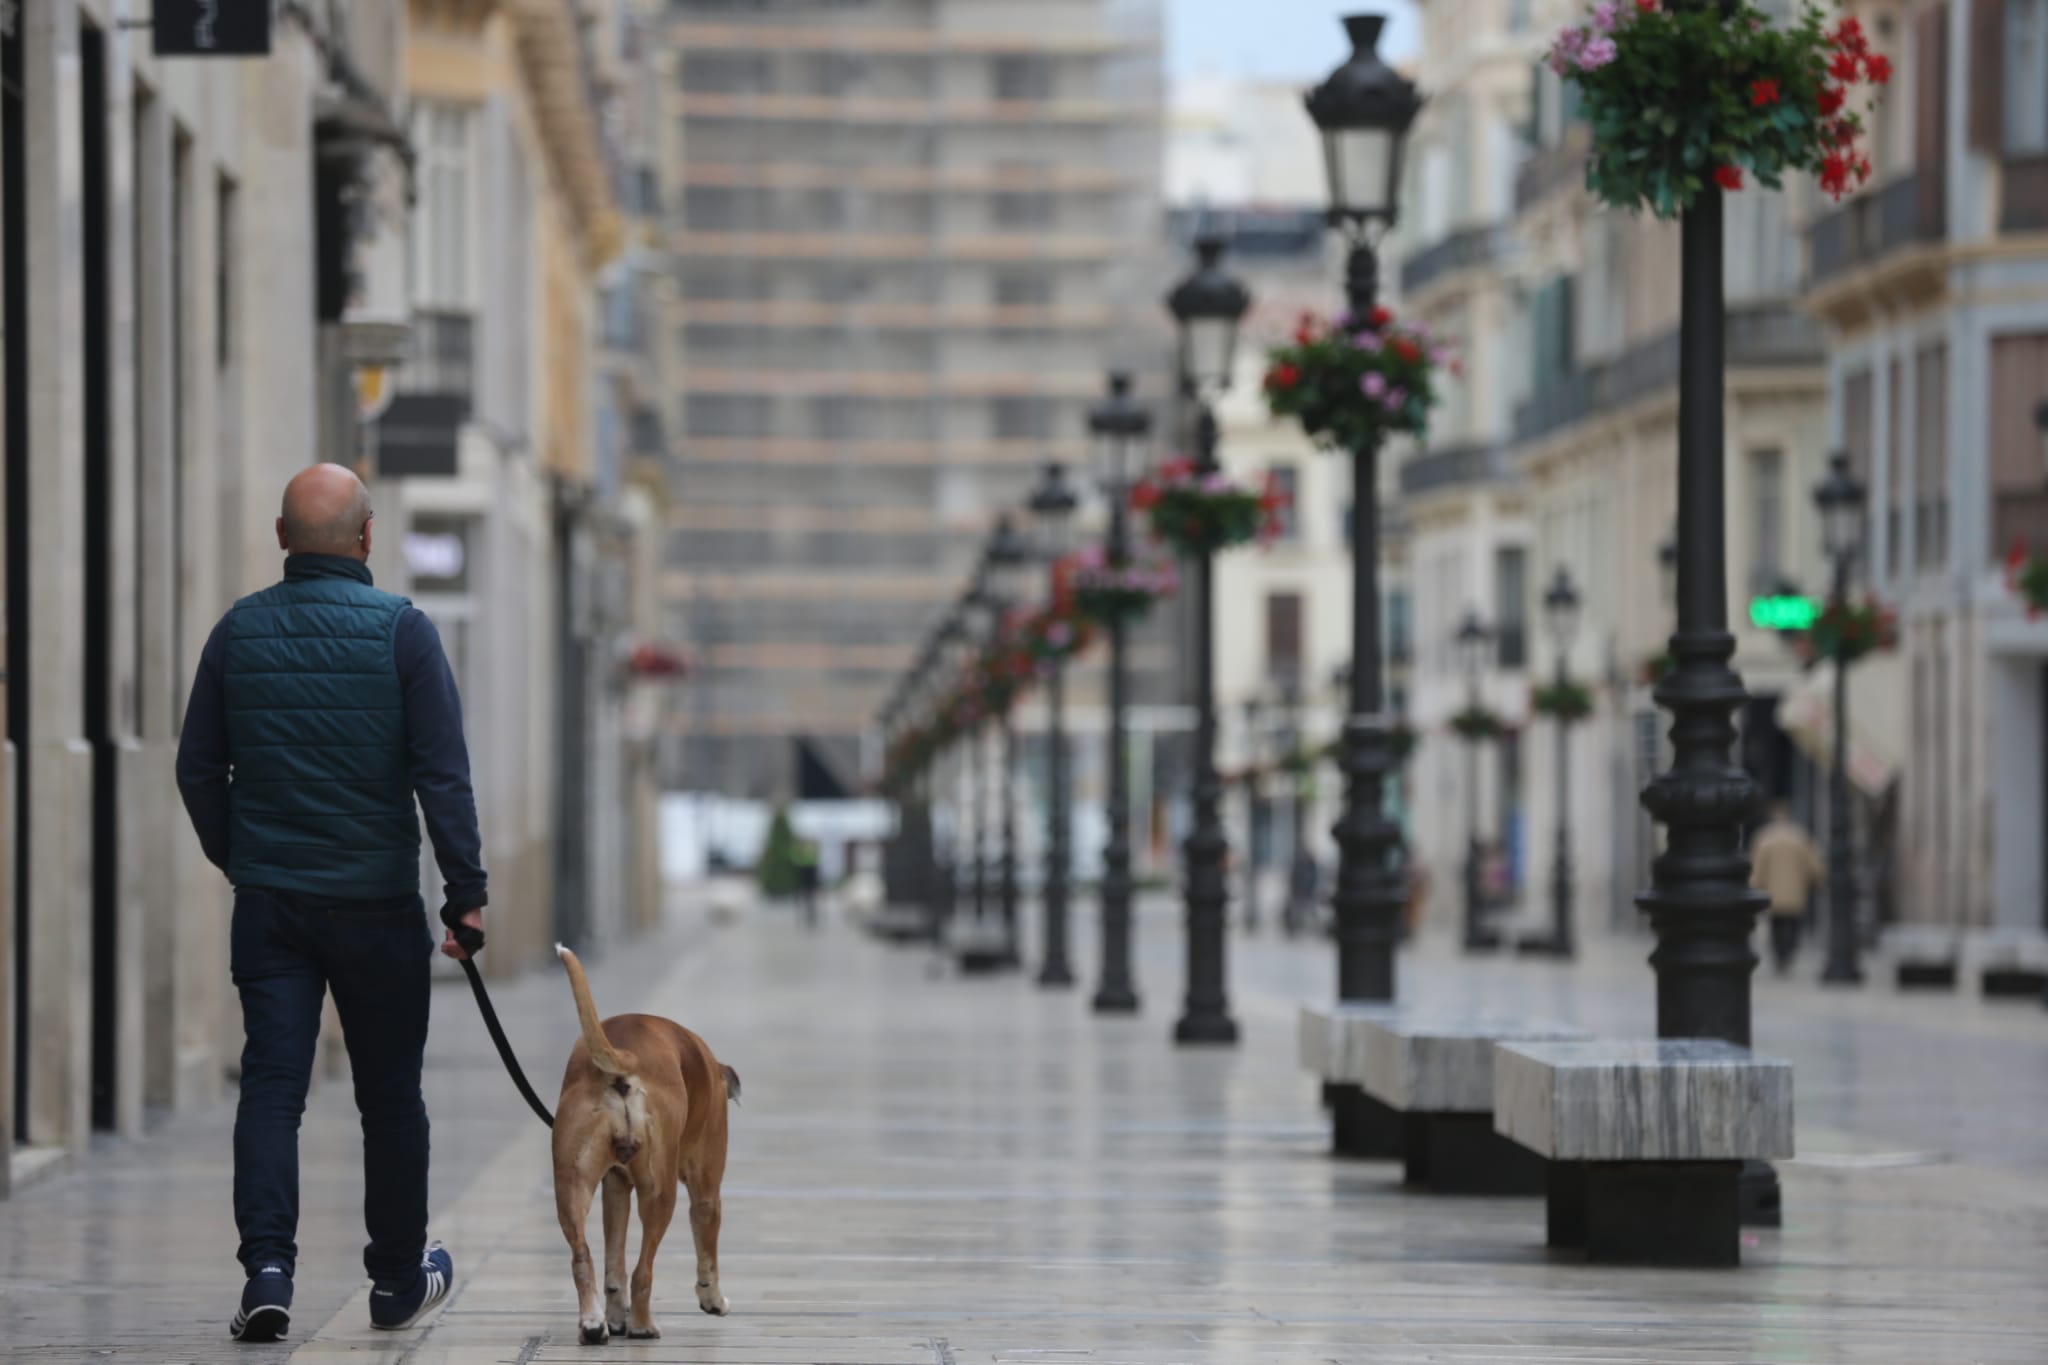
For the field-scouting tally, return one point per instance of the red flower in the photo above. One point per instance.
(1145, 496)
(1647, 6)
(1862, 170)
(1879, 68)
(1762, 93)
(1380, 317)
(1282, 377)
(1848, 36)
(1177, 468)
(1728, 177)
(1843, 67)
(1834, 174)
(1407, 350)
(1831, 98)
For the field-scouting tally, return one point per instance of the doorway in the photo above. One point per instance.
(97, 364)
(14, 291)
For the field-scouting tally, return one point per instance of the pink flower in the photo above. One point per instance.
(1059, 635)
(1217, 482)
(1370, 343)
(1605, 17)
(1373, 385)
(1396, 399)
(1599, 52)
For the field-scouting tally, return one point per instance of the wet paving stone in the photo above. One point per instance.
(934, 1171)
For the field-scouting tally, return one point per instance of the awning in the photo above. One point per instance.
(1877, 718)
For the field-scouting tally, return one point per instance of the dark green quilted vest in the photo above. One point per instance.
(321, 798)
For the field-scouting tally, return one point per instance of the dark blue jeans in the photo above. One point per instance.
(289, 949)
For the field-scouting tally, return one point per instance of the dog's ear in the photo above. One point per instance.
(732, 1083)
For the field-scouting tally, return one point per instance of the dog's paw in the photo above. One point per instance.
(647, 1333)
(596, 1334)
(713, 1303)
(617, 1327)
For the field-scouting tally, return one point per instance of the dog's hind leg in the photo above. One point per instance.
(618, 1204)
(706, 1213)
(657, 1209)
(572, 1208)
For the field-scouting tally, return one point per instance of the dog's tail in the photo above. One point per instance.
(602, 1055)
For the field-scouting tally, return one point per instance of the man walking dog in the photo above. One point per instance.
(321, 709)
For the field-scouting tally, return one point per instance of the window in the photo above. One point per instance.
(1766, 520)
(2026, 76)
(712, 208)
(1518, 17)
(1027, 76)
(1510, 578)
(1896, 459)
(1399, 625)
(1283, 636)
(225, 236)
(1550, 333)
(1023, 287)
(725, 414)
(725, 73)
(1930, 421)
(1021, 419)
(1284, 480)
(443, 228)
(1021, 208)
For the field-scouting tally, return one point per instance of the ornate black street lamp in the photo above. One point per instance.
(1052, 504)
(1474, 647)
(1007, 564)
(1118, 423)
(1299, 906)
(1206, 307)
(1254, 808)
(980, 949)
(1840, 498)
(1700, 902)
(1363, 111)
(1561, 612)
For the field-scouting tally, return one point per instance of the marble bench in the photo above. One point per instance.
(1646, 1140)
(2012, 963)
(1437, 1073)
(1922, 956)
(1331, 1047)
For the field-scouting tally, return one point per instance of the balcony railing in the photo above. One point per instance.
(1462, 250)
(1452, 466)
(1867, 228)
(1772, 335)
(443, 355)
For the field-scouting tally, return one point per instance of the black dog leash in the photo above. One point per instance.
(471, 941)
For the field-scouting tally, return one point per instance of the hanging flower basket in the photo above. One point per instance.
(1196, 514)
(1054, 634)
(1108, 593)
(1678, 95)
(1352, 382)
(2027, 575)
(656, 663)
(1476, 723)
(1653, 668)
(1846, 631)
(1567, 701)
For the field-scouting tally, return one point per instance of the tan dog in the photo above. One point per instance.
(642, 1110)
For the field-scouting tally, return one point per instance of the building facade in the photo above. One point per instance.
(179, 297)
(1932, 286)
(909, 238)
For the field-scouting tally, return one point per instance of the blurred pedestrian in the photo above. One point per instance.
(322, 708)
(1785, 865)
(807, 879)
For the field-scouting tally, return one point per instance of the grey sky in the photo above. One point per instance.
(1273, 39)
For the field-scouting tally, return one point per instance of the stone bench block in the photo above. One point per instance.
(1330, 1042)
(1646, 1140)
(1438, 1073)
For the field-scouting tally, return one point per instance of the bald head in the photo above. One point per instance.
(326, 512)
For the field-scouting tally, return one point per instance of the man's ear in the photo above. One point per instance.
(367, 525)
(282, 543)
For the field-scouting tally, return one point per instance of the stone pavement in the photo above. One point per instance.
(931, 1170)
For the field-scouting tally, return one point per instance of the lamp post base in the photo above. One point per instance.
(1482, 941)
(1115, 1000)
(1056, 975)
(1760, 1201)
(1544, 945)
(1205, 1029)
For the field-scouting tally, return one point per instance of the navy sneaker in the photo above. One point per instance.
(395, 1309)
(266, 1306)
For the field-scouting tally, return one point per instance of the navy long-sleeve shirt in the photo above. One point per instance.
(433, 731)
